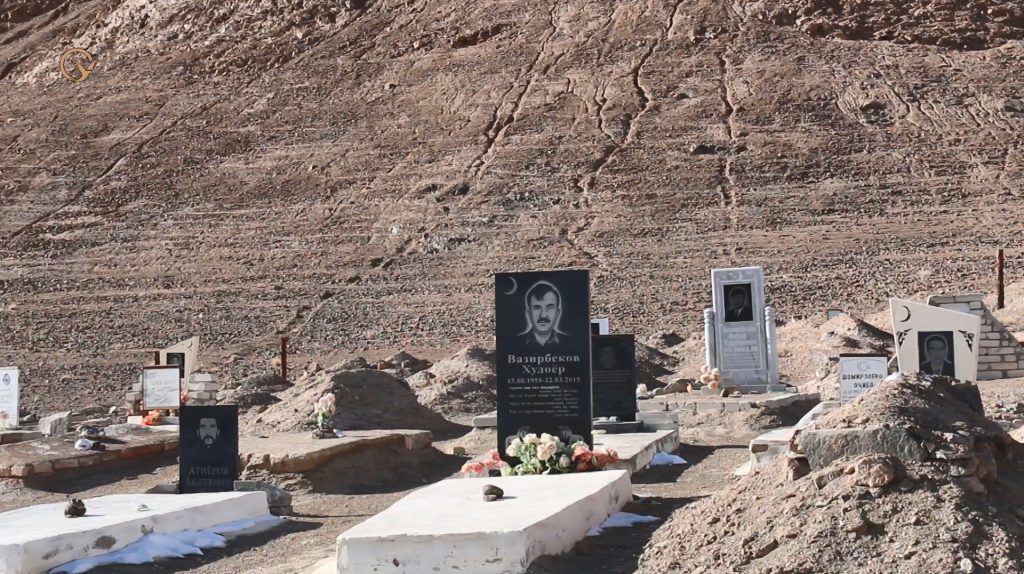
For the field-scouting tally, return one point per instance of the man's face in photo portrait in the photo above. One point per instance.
(208, 431)
(544, 312)
(936, 349)
(737, 299)
(607, 359)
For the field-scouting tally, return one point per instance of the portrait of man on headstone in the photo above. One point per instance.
(208, 448)
(179, 360)
(543, 309)
(936, 351)
(738, 307)
(607, 360)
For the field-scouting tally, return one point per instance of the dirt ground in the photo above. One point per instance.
(335, 504)
(351, 178)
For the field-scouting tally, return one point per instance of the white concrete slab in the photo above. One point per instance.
(448, 528)
(636, 450)
(35, 539)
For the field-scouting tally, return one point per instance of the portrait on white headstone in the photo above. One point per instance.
(935, 349)
(738, 306)
(543, 312)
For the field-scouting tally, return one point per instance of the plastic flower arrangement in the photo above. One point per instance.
(547, 454)
(153, 418)
(325, 409)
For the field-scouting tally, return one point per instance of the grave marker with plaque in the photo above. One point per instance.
(161, 387)
(935, 341)
(740, 330)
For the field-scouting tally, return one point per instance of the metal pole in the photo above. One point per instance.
(284, 358)
(1000, 290)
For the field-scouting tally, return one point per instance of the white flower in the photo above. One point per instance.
(546, 451)
(531, 439)
(513, 447)
(564, 461)
(546, 438)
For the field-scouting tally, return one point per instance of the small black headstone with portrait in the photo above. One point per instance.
(615, 376)
(542, 323)
(208, 449)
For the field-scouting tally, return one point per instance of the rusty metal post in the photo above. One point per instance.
(1000, 285)
(284, 358)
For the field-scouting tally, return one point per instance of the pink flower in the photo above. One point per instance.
(493, 455)
(581, 452)
(473, 467)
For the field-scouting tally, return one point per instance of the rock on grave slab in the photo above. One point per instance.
(39, 538)
(448, 528)
(55, 424)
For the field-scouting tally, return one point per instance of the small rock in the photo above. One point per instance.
(492, 493)
(74, 509)
(966, 566)
(873, 471)
(459, 451)
(142, 508)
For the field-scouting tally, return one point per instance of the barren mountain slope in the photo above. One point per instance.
(352, 177)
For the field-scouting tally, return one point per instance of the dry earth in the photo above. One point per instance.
(352, 177)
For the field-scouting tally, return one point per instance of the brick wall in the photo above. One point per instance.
(1000, 355)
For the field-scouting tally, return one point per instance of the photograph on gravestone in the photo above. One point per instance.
(859, 373)
(739, 331)
(179, 360)
(935, 349)
(208, 449)
(9, 397)
(599, 327)
(595, 328)
(161, 387)
(542, 327)
(614, 387)
(738, 307)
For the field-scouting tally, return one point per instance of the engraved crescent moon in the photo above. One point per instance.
(907, 318)
(515, 286)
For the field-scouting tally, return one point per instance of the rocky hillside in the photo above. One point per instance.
(351, 173)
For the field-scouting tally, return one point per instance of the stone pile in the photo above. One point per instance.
(911, 477)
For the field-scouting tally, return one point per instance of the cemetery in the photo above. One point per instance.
(548, 442)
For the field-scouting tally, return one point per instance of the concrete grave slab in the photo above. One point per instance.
(36, 539)
(298, 452)
(936, 341)
(448, 528)
(636, 450)
(56, 454)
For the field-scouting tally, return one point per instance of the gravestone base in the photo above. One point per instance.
(636, 450)
(448, 527)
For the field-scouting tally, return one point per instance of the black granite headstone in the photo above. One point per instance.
(542, 322)
(208, 449)
(615, 376)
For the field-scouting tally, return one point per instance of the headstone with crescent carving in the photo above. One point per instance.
(935, 341)
(184, 354)
(542, 328)
(8, 397)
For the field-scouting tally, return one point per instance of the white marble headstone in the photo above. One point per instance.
(741, 349)
(602, 326)
(8, 397)
(161, 387)
(935, 341)
(859, 374)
